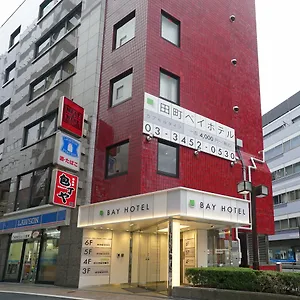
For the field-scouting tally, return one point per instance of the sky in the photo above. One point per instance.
(278, 47)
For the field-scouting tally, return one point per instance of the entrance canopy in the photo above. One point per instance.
(147, 209)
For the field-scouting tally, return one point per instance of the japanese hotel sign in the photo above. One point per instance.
(70, 117)
(174, 202)
(64, 189)
(173, 123)
(67, 151)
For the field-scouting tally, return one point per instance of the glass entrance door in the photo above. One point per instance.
(153, 258)
(149, 261)
(30, 261)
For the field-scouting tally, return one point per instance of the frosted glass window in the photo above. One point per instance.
(170, 29)
(124, 30)
(169, 87)
(121, 88)
(167, 159)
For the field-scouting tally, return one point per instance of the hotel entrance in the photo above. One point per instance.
(152, 259)
(148, 241)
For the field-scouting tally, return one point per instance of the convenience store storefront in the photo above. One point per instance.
(34, 244)
(149, 240)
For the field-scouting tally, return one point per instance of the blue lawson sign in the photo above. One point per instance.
(52, 218)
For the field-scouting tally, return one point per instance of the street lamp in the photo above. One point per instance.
(260, 191)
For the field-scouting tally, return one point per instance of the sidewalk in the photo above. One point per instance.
(93, 293)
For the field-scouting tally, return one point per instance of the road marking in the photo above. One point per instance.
(45, 295)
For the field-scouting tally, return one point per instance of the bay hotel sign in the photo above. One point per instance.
(176, 202)
(174, 123)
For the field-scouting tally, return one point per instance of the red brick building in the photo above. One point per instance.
(201, 56)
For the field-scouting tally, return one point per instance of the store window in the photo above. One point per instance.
(169, 86)
(40, 129)
(170, 28)
(13, 264)
(121, 88)
(124, 31)
(48, 256)
(168, 159)
(117, 160)
(33, 189)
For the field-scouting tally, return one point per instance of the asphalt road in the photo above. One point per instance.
(7, 296)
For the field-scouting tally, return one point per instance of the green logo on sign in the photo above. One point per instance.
(101, 213)
(192, 203)
(150, 101)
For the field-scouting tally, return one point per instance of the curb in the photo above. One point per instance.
(45, 295)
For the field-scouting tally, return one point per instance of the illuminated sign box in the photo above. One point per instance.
(63, 189)
(67, 151)
(70, 117)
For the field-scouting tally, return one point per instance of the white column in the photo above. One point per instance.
(173, 255)
(202, 248)
(176, 254)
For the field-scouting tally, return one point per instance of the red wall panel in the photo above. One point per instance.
(210, 85)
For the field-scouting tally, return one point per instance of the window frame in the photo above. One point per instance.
(58, 67)
(47, 193)
(53, 30)
(39, 122)
(173, 20)
(174, 76)
(7, 72)
(42, 7)
(12, 38)
(2, 143)
(176, 146)
(2, 108)
(113, 82)
(107, 156)
(119, 25)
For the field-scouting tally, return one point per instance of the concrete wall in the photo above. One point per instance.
(83, 87)
(69, 254)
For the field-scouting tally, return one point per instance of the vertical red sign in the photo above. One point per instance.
(70, 117)
(64, 188)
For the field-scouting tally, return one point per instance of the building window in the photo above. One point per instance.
(4, 110)
(170, 28)
(4, 196)
(33, 189)
(168, 159)
(121, 88)
(124, 30)
(293, 223)
(40, 129)
(169, 86)
(10, 73)
(1, 148)
(46, 6)
(117, 159)
(14, 38)
(56, 75)
(59, 31)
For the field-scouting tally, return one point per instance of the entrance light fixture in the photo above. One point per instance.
(244, 187)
